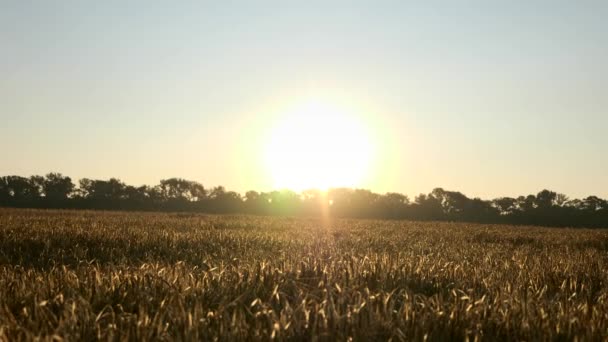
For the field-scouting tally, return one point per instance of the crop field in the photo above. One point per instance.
(83, 275)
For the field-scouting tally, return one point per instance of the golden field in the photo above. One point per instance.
(84, 275)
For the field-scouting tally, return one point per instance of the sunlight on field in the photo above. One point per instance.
(318, 145)
(83, 275)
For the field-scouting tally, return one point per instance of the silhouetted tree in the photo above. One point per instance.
(393, 205)
(176, 194)
(103, 194)
(545, 199)
(561, 200)
(57, 189)
(21, 191)
(225, 201)
(505, 205)
(526, 203)
(427, 208)
(593, 204)
(453, 203)
(37, 186)
(177, 188)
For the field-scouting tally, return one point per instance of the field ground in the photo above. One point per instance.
(82, 275)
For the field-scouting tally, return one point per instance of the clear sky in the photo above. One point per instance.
(491, 98)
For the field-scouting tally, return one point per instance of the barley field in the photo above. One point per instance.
(83, 275)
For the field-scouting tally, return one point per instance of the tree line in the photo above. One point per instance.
(175, 194)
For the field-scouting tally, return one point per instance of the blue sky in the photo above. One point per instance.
(489, 98)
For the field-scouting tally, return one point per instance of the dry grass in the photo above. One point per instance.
(116, 276)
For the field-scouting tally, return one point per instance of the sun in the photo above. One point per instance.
(318, 146)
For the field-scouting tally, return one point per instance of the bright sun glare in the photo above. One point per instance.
(318, 146)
